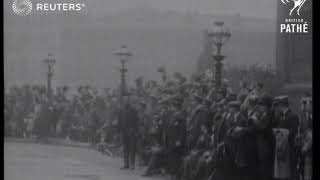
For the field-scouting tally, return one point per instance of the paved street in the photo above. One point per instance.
(28, 161)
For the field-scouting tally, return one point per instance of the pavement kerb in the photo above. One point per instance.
(51, 141)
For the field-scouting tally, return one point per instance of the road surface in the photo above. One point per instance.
(28, 161)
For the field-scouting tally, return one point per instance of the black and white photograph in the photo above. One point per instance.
(158, 89)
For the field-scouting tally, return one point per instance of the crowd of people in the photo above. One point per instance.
(187, 129)
(195, 131)
(74, 115)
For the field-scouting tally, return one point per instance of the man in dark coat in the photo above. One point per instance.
(240, 141)
(42, 124)
(191, 160)
(156, 149)
(261, 122)
(129, 120)
(290, 121)
(230, 146)
(199, 116)
(176, 138)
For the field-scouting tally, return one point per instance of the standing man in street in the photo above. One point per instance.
(129, 119)
(176, 138)
(286, 126)
(42, 122)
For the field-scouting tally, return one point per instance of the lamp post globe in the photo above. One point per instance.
(123, 53)
(50, 60)
(218, 35)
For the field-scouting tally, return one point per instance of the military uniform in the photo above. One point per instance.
(262, 130)
(290, 121)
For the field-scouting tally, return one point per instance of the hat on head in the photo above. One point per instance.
(232, 97)
(142, 103)
(266, 100)
(234, 104)
(242, 97)
(282, 100)
(177, 101)
(276, 100)
(253, 99)
(222, 91)
(156, 116)
(207, 100)
(198, 97)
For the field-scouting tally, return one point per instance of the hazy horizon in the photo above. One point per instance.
(83, 45)
(262, 8)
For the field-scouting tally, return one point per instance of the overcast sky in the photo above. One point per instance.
(253, 8)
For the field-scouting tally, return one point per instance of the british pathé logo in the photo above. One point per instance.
(22, 7)
(294, 22)
(294, 26)
(297, 4)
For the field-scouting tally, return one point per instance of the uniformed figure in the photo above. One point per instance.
(129, 127)
(290, 121)
(176, 138)
(261, 120)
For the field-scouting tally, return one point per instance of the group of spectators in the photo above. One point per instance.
(74, 115)
(192, 130)
(187, 129)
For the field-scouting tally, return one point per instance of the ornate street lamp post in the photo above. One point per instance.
(50, 62)
(123, 53)
(219, 35)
